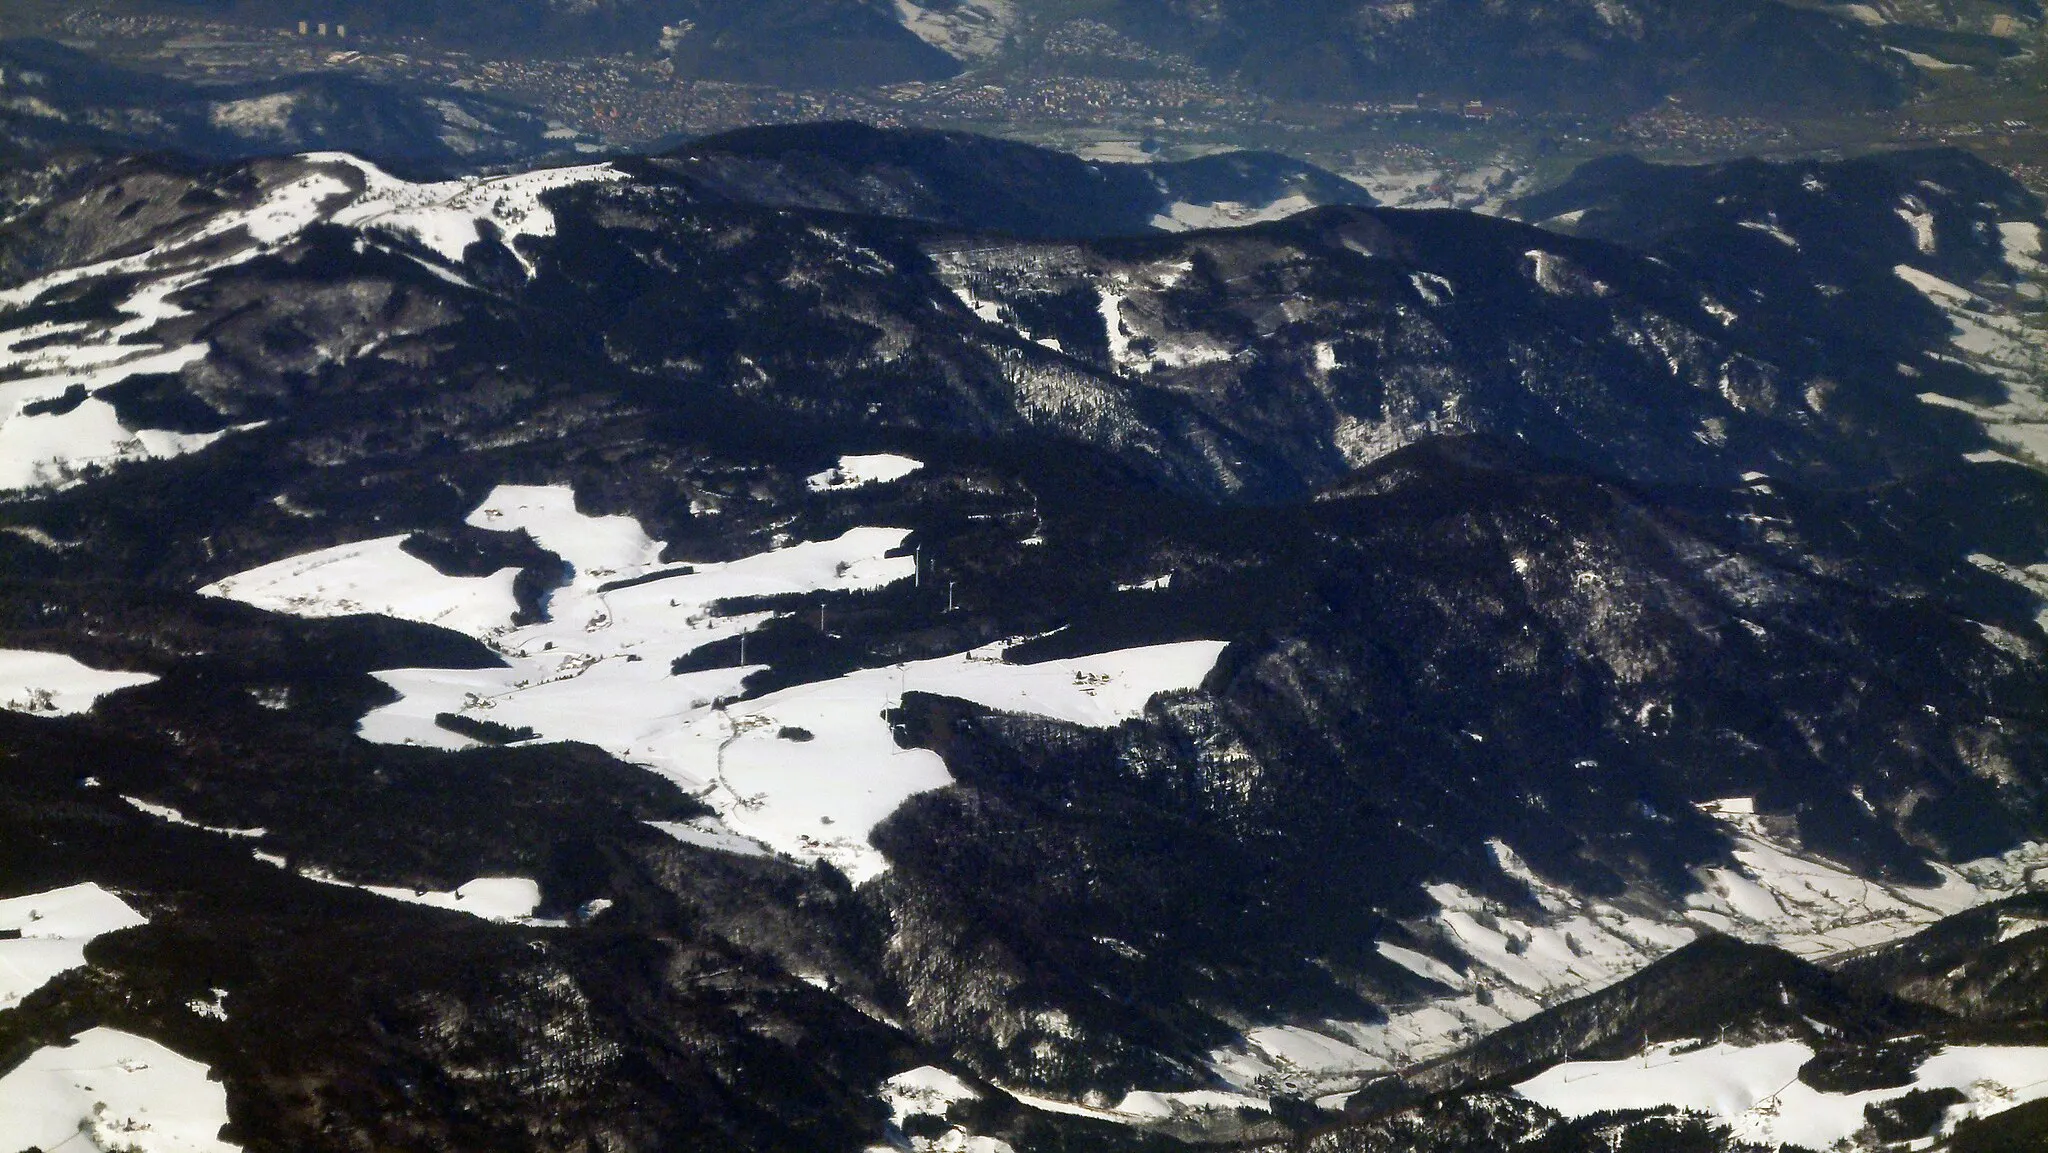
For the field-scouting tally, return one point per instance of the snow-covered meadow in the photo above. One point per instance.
(1515, 966)
(54, 928)
(118, 1091)
(1757, 1091)
(52, 684)
(807, 771)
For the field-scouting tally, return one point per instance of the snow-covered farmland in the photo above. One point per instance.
(53, 684)
(1776, 893)
(1757, 1090)
(55, 927)
(807, 771)
(119, 1091)
(374, 576)
(1990, 338)
(1780, 895)
(811, 770)
(1185, 216)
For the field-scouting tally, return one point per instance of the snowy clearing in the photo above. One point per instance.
(447, 217)
(964, 30)
(120, 1091)
(1921, 222)
(1757, 1090)
(857, 471)
(1187, 216)
(1776, 893)
(374, 576)
(55, 927)
(598, 671)
(930, 1090)
(1992, 339)
(52, 684)
(819, 798)
(511, 899)
(927, 1089)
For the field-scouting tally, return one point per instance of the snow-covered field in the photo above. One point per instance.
(818, 796)
(1991, 339)
(55, 927)
(491, 898)
(807, 771)
(963, 29)
(117, 1091)
(374, 576)
(1184, 216)
(859, 471)
(1757, 1091)
(447, 217)
(1777, 894)
(1483, 188)
(927, 1089)
(53, 684)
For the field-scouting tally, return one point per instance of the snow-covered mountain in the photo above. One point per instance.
(756, 647)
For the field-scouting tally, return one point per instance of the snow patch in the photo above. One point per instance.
(1188, 216)
(1771, 229)
(1151, 1106)
(711, 833)
(1781, 895)
(1921, 222)
(167, 813)
(1559, 276)
(856, 471)
(966, 30)
(267, 115)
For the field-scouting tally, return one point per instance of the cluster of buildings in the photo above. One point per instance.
(1674, 126)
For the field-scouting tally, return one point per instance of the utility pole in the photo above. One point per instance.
(917, 567)
(949, 595)
(743, 650)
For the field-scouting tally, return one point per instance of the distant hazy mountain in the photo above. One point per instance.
(1589, 55)
(1714, 54)
(53, 96)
